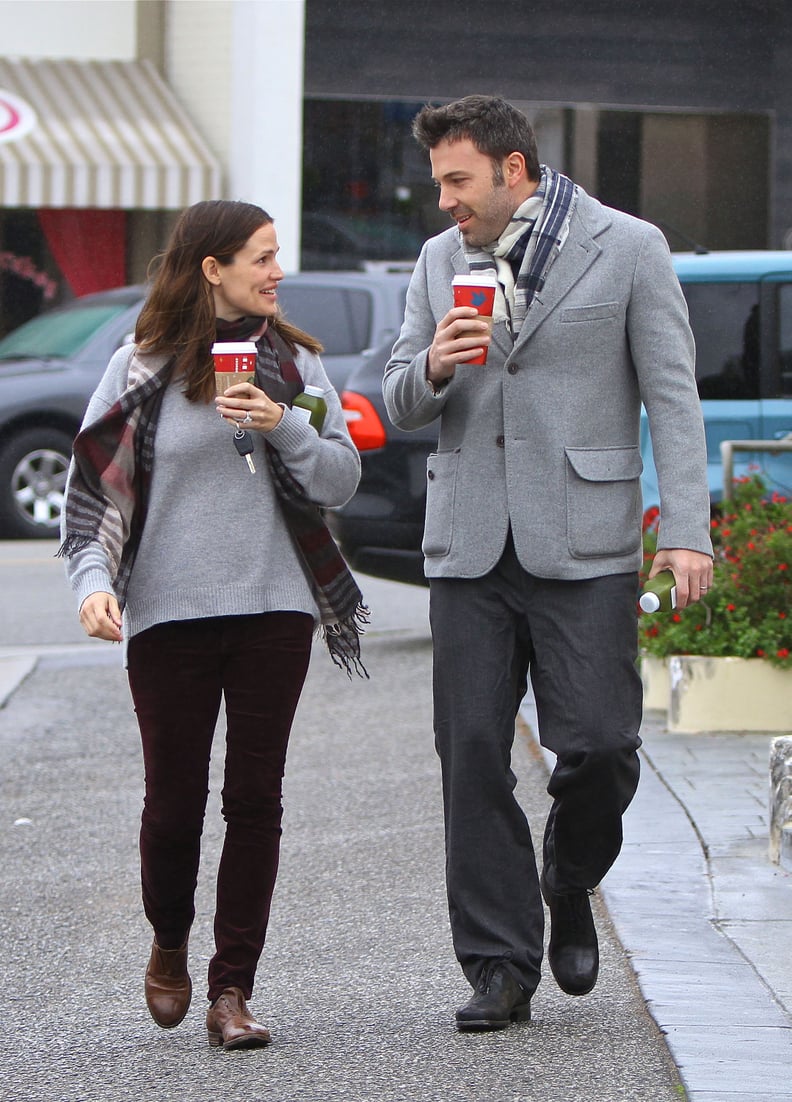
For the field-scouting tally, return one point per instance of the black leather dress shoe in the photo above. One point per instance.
(573, 952)
(497, 1001)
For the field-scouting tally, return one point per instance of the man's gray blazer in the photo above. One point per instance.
(546, 434)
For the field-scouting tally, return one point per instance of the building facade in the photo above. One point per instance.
(678, 111)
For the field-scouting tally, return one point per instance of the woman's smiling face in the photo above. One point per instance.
(248, 286)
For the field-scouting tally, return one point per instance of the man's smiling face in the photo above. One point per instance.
(472, 191)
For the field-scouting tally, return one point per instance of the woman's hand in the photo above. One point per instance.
(100, 616)
(244, 405)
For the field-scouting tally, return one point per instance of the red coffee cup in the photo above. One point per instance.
(234, 362)
(477, 291)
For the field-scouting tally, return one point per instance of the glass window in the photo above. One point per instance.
(785, 337)
(58, 334)
(725, 322)
(340, 318)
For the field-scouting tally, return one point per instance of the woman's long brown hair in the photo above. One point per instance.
(178, 316)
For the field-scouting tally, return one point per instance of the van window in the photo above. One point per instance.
(339, 317)
(785, 337)
(725, 322)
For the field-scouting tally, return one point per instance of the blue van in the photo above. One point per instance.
(740, 306)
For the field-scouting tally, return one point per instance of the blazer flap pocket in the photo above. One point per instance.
(441, 475)
(606, 464)
(598, 311)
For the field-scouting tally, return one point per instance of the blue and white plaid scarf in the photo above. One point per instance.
(528, 245)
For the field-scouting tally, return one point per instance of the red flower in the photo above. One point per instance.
(783, 653)
(782, 616)
(650, 516)
(677, 618)
(783, 566)
(759, 652)
(731, 608)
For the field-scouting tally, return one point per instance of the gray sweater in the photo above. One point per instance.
(215, 542)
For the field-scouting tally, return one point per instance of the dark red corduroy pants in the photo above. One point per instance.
(178, 674)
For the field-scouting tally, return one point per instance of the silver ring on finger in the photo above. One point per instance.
(246, 420)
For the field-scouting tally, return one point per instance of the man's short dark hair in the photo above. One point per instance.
(493, 125)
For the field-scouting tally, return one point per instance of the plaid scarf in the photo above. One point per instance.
(111, 477)
(528, 246)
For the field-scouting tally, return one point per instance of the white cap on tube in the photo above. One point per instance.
(649, 602)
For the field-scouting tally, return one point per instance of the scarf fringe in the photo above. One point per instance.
(343, 641)
(74, 544)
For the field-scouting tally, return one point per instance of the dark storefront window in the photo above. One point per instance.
(367, 195)
(29, 278)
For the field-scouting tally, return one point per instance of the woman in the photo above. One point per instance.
(221, 573)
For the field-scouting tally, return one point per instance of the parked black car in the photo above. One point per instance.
(381, 528)
(50, 366)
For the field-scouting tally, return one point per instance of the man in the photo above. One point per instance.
(533, 528)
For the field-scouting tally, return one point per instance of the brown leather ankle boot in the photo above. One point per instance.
(229, 1023)
(168, 985)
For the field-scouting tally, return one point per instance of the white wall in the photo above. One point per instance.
(265, 163)
(76, 29)
(237, 68)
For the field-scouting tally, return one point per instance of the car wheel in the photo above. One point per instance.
(33, 469)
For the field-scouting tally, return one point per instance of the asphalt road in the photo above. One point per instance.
(358, 983)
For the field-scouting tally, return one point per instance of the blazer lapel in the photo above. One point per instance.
(578, 253)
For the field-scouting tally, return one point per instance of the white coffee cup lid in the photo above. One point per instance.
(228, 347)
(483, 280)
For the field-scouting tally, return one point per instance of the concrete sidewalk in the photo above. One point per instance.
(358, 982)
(704, 916)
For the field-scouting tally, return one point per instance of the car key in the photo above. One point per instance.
(244, 445)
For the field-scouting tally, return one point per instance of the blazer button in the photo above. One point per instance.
(512, 369)
(500, 441)
(430, 475)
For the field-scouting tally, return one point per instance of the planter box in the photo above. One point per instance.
(656, 682)
(728, 694)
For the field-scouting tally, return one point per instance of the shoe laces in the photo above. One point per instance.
(486, 977)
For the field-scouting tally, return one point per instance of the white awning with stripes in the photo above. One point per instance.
(107, 134)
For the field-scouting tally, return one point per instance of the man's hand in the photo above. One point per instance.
(101, 617)
(459, 337)
(692, 571)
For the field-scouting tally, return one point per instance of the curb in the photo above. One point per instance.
(13, 671)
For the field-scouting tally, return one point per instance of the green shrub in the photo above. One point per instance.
(748, 611)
